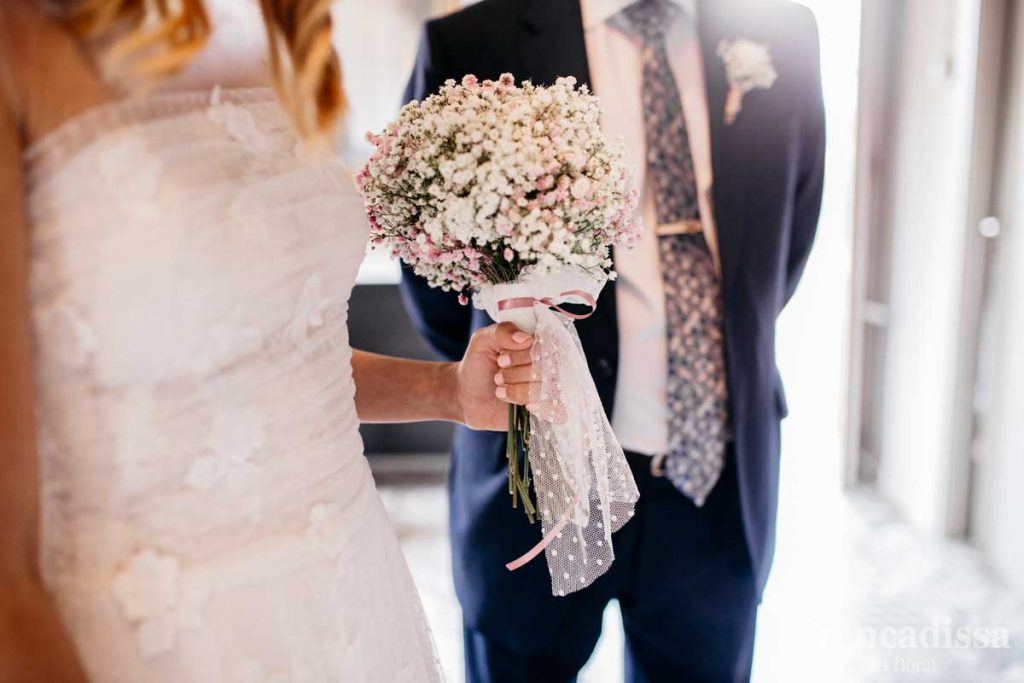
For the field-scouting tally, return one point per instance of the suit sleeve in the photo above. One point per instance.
(438, 315)
(807, 205)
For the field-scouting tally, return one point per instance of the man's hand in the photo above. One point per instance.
(494, 372)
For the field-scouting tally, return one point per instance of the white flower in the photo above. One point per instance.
(483, 170)
(748, 66)
(581, 187)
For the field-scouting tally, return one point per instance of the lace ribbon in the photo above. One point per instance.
(585, 490)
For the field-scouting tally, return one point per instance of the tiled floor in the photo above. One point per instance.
(852, 587)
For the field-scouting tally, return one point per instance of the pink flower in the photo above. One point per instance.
(463, 299)
(508, 254)
(469, 81)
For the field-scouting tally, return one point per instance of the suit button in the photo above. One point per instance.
(604, 367)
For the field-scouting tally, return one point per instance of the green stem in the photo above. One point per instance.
(519, 481)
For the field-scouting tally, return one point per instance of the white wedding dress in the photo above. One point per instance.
(208, 511)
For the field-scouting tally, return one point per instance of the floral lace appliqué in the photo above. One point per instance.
(310, 309)
(324, 519)
(65, 336)
(131, 152)
(237, 435)
(237, 121)
(152, 594)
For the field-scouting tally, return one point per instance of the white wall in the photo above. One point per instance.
(377, 44)
(932, 155)
(999, 509)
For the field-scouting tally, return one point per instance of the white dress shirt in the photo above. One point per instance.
(640, 418)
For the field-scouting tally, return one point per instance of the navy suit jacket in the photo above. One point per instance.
(768, 170)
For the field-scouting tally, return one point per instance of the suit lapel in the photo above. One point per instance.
(551, 43)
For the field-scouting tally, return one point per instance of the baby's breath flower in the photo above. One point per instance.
(483, 179)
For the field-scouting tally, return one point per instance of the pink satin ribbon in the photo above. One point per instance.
(546, 541)
(552, 302)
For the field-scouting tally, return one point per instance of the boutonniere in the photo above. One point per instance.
(748, 65)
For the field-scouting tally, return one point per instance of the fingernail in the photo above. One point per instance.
(501, 393)
(504, 361)
(520, 337)
(498, 379)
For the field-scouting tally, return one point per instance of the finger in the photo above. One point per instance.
(516, 375)
(509, 337)
(511, 359)
(519, 394)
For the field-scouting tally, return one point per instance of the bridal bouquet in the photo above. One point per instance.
(513, 194)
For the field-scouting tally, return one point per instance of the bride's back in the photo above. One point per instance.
(208, 513)
(189, 285)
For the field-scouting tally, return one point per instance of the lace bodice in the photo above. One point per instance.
(206, 500)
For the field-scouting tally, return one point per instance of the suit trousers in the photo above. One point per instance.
(685, 585)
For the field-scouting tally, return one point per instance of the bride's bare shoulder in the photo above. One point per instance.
(46, 74)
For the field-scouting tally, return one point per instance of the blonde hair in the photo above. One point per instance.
(156, 38)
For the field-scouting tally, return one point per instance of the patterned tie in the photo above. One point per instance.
(697, 393)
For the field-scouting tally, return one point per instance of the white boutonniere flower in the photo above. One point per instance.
(748, 65)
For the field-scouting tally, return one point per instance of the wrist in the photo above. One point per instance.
(450, 403)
